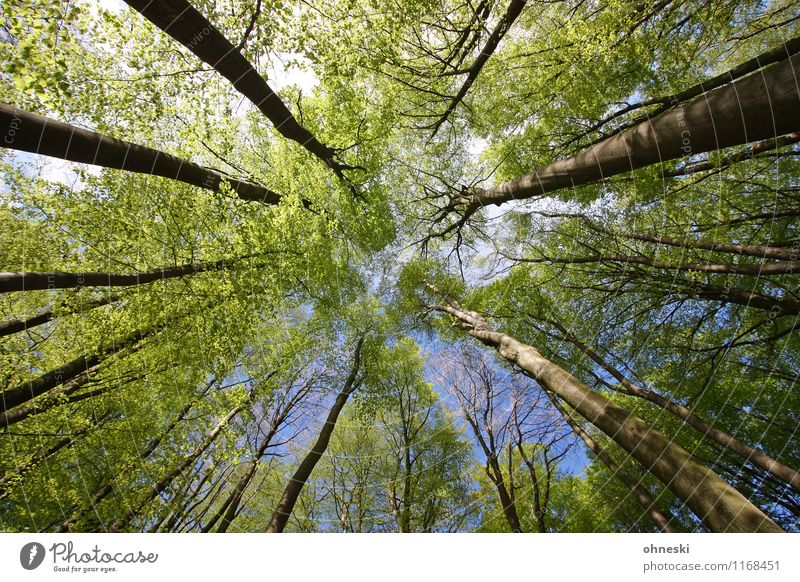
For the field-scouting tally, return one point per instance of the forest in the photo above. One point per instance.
(399, 266)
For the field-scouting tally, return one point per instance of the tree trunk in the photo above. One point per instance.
(760, 251)
(36, 134)
(7, 481)
(161, 485)
(83, 364)
(180, 20)
(229, 509)
(780, 306)
(751, 270)
(493, 470)
(77, 513)
(512, 13)
(761, 106)
(748, 453)
(16, 325)
(509, 507)
(641, 494)
(715, 502)
(287, 501)
(30, 281)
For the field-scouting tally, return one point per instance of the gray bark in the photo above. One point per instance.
(36, 134)
(295, 486)
(761, 106)
(714, 501)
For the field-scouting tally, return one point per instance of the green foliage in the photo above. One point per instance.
(346, 258)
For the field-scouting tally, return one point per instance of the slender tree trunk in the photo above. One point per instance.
(757, 149)
(641, 494)
(761, 106)
(16, 325)
(714, 501)
(748, 453)
(81, 365)
(493, 470)
(30, 281)
(762, 270)
(405, 511)
(7, 481)
(780, 306)
(21, 413)
(166, 480)
(77, 513)
(292, 491)
(538, 508)
(184, 519)
(509, 507)
(36, 134)
(180, 20)
(512, 13)
(760, 251)
(230, 507)
(539, 505)
(8, 418)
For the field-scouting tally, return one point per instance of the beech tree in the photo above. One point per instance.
(247, 248)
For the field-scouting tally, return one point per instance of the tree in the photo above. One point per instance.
(662, 457)
(603, 194)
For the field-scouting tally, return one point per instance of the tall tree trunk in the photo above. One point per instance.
(230, 507)
(714, 501)
(82, 364)
(180, 20)
(761, 106)
(512, 13)
(30, 281)
(748, 453)
(506, 501)
(22, 324)
(751, 270)
(7, 481)
(292, 491)
(36, 134)
(493, 470)
(760, 251)
(780, 306)
(404, 526)
(21, 413)
(77, 513)
(166, 480)
(641, 494)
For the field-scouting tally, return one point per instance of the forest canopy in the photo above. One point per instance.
(399, 266)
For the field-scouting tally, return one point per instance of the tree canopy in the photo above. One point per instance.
(372, 266)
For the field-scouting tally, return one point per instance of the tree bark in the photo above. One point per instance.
(641, 494)
(493, 470)
(13, 326)
(748, 453)
(83, 364)
(36, 134)
(180, 20)
(761, 106)
(32, 280)
(715, 502)
(293, 489)
(760, 251)
(777, 268)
